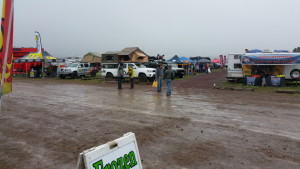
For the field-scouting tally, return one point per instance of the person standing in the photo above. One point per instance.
(200, 67)
(131, 76)
(169, 77)
(159, 76)
(206, 68)
(120, 75)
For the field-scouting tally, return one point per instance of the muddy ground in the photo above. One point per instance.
(46, 123)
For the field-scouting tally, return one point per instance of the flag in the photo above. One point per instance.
(221, 60)
(6, 46)
(38, 45)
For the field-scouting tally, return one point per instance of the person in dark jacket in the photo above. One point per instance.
(169, 77)
(120, 75)
(159, 76)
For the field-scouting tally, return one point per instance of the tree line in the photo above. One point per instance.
(296, 49)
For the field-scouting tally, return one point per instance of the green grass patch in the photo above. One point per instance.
(289, 86)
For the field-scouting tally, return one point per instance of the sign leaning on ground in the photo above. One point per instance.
(121, 153)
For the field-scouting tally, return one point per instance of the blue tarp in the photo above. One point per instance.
(281, 51)
(187, 60)
(271, 59)
(254, 51)
(176, 59)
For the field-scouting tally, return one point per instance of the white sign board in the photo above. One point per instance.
(120, 153)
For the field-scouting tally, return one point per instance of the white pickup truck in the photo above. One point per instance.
(144, 74)
(75, 70)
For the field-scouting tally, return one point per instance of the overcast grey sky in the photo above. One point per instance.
(183, 27)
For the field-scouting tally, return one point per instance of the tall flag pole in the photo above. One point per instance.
(39, 49)
(6, 46)
(39, 44)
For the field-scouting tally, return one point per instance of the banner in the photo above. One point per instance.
(38, 44)
(251, 80)
(221, 59)
(121, 153)
(6, 45)
(271, 59)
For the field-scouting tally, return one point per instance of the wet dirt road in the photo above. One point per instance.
(46, 123)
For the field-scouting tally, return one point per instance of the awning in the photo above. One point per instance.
(271, 59)
(37, 57)
(187, 60)
(216, 60)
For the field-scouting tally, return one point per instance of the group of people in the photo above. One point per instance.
(120, 75)
(160, 75)
(38, 69)
(167, 75)
(205, 67)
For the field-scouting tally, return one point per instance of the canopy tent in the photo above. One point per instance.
(176, 59)
(139, 57)
(186, 60)
(271, 59)
(92, 57)
(216, 60)
(204, 61)
(133, 54)
(37, 57)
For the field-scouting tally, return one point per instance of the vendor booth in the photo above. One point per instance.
(176, 59)
(270, 69)
(188, 65)
(36, 63)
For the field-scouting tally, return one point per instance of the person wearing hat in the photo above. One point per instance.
(120, 75)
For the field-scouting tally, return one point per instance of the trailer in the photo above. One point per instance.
(284, 64)
(234, 67)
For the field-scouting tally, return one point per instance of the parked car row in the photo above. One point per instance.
(144, 72)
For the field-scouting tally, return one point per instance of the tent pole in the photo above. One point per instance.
(42, 69)
(26, 70)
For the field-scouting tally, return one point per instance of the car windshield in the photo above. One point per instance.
(73, 65)
(140, 65)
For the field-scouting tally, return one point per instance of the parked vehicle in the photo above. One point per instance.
(75, 70)
(179, 72)
(144, 74)
(274, 63)
(263, 62)
(234, 67)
